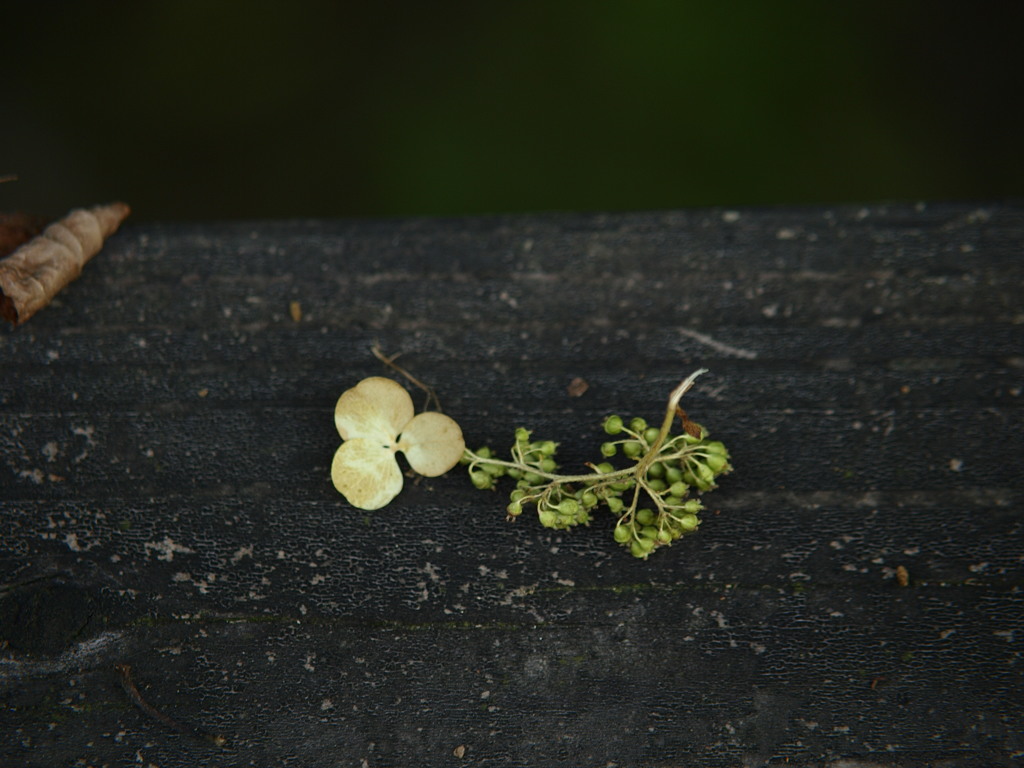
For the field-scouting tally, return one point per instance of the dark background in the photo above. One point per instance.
(210, 110)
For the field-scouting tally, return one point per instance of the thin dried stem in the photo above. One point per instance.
(389, 361)
(125, 673)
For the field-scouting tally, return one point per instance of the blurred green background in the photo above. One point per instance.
(216, 110)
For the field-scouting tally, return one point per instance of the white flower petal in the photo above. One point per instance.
(432, 442)
(375, 408)
(366, 473)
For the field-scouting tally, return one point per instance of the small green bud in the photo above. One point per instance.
(693, 506)
(546, 447)
(515, 474)
(688, 523)
(613, 425)
(622, 534)
(517, 494)
(645, 516)
(649, 532)
(608, 449)
(615, 504)
(481, 479)
(532, 478)
(604, 468)
(569, 507)
(494, 470)
(548, 465)
(485, 453)
(664, 536)
(548, 518)
(679, 489)
(522, 435)
(716, 463)
(657, 469)
(623, 485)
(637, 425)
(641, 547)
(651, 435)
(657, 485)
(633, 448)
(672, 474)
(589, 499)
(716, 447)
(514, 509)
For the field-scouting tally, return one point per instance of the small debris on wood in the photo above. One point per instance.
(577, 387)
(37, 271)
(295, 309)
(459, 751)
(902, 576)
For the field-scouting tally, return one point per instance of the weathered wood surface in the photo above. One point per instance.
(166, 432)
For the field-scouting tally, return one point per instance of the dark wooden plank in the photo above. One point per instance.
(166, 431)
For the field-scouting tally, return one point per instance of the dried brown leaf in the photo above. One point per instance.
(18, 228)
(36, 272)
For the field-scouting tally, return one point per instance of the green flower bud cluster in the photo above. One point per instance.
(668, 468)
(558, 505)
(649, 495)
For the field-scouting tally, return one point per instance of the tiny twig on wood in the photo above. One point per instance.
(125, 671)
(390, 363)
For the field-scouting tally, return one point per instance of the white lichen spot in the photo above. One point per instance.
(35, 475)
(240, 553)
(956, 465)
(166, 549)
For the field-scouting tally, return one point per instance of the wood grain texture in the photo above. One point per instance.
(166, 432)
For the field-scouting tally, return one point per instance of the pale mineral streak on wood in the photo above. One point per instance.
(37, 271)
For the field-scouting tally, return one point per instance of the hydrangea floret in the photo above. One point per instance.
(376, 420)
